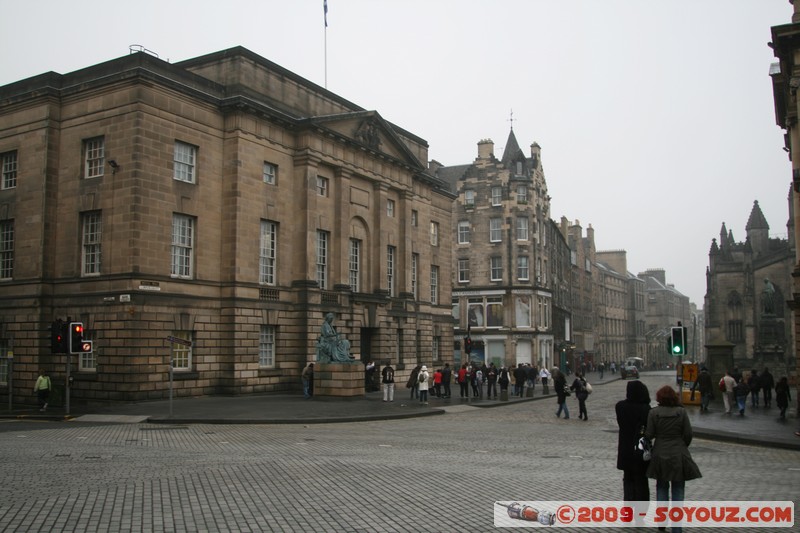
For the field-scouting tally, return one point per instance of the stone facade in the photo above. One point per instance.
(503, 269)
(222, 200)
(735, 299)
(582, 272)
(786, 46)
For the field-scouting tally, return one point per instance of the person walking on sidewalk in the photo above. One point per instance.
(437, 382)
(581, 393)
(423, 385)
(767, 384)
(520, 377)
(462, 381)
(308, 381)
(413, 382)
(706, 388)
(387, 379)
(560, 384)
(727, 395)
(671, 465)
(740, 391)
(42, 389)
(782, 396)
(491, 382)
(544, 375)
(754, 384)
(447, 374)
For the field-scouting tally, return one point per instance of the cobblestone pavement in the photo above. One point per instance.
(439, 473)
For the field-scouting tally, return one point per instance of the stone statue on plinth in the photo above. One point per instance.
(331, 347)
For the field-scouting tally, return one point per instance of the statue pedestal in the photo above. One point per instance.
(338, 380)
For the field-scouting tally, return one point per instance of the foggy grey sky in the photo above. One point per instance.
(655, 119)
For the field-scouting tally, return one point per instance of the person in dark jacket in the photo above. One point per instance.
(741, 390)
(706, 387)
(671, 465)
(413, 382)
(560, 384)
(579, 386)
(446, 377)
(520, 376)
(632, 420)
(782, 396)
(754, 384)
(767, 384)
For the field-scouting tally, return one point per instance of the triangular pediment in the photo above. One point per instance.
(370, 131)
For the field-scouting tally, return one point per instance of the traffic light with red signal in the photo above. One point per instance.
(58, 337)
(76, 342)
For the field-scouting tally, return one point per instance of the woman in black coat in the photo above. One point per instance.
(560, 384)
(632, 420)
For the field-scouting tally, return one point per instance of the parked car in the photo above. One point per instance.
(629, 371)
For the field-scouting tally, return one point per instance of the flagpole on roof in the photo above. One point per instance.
(325, 11)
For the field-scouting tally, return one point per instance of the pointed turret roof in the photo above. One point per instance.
(512, 151)
(756, 220)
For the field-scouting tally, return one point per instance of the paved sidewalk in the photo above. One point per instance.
(758, 427)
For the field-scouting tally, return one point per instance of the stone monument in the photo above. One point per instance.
(336, 375)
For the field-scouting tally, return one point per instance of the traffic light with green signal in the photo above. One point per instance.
(678, 343)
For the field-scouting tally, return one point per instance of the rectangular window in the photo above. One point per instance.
(266, 347)
(94, 158)
(390, 259)
(522, 228)
(475, 313)
(496, 268)
(322, 259)
(390, 208)
(6, 249)
(494, 312)
(495, 230)
(182, 246)
(434, 234)
(523, 270)
(322, 186)
(182, 355)
(354, 265)
(522, 194)
(8, 161)
(497, 196)
(267, 252)
(270, 173)
(463, 232)
(463, 270)
(87, 362)
(184, 160)
(414, 265)
(434, 284)
(414, 218)
(435, 349)
(469, 198)
(91, 237)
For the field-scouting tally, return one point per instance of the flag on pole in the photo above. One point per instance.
(325, 8)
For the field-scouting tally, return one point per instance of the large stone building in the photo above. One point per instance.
(623, 297)
(582, 271)
(222, 201)
(506, 267)
(748, 286)
(667, 307)
(786, 46)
